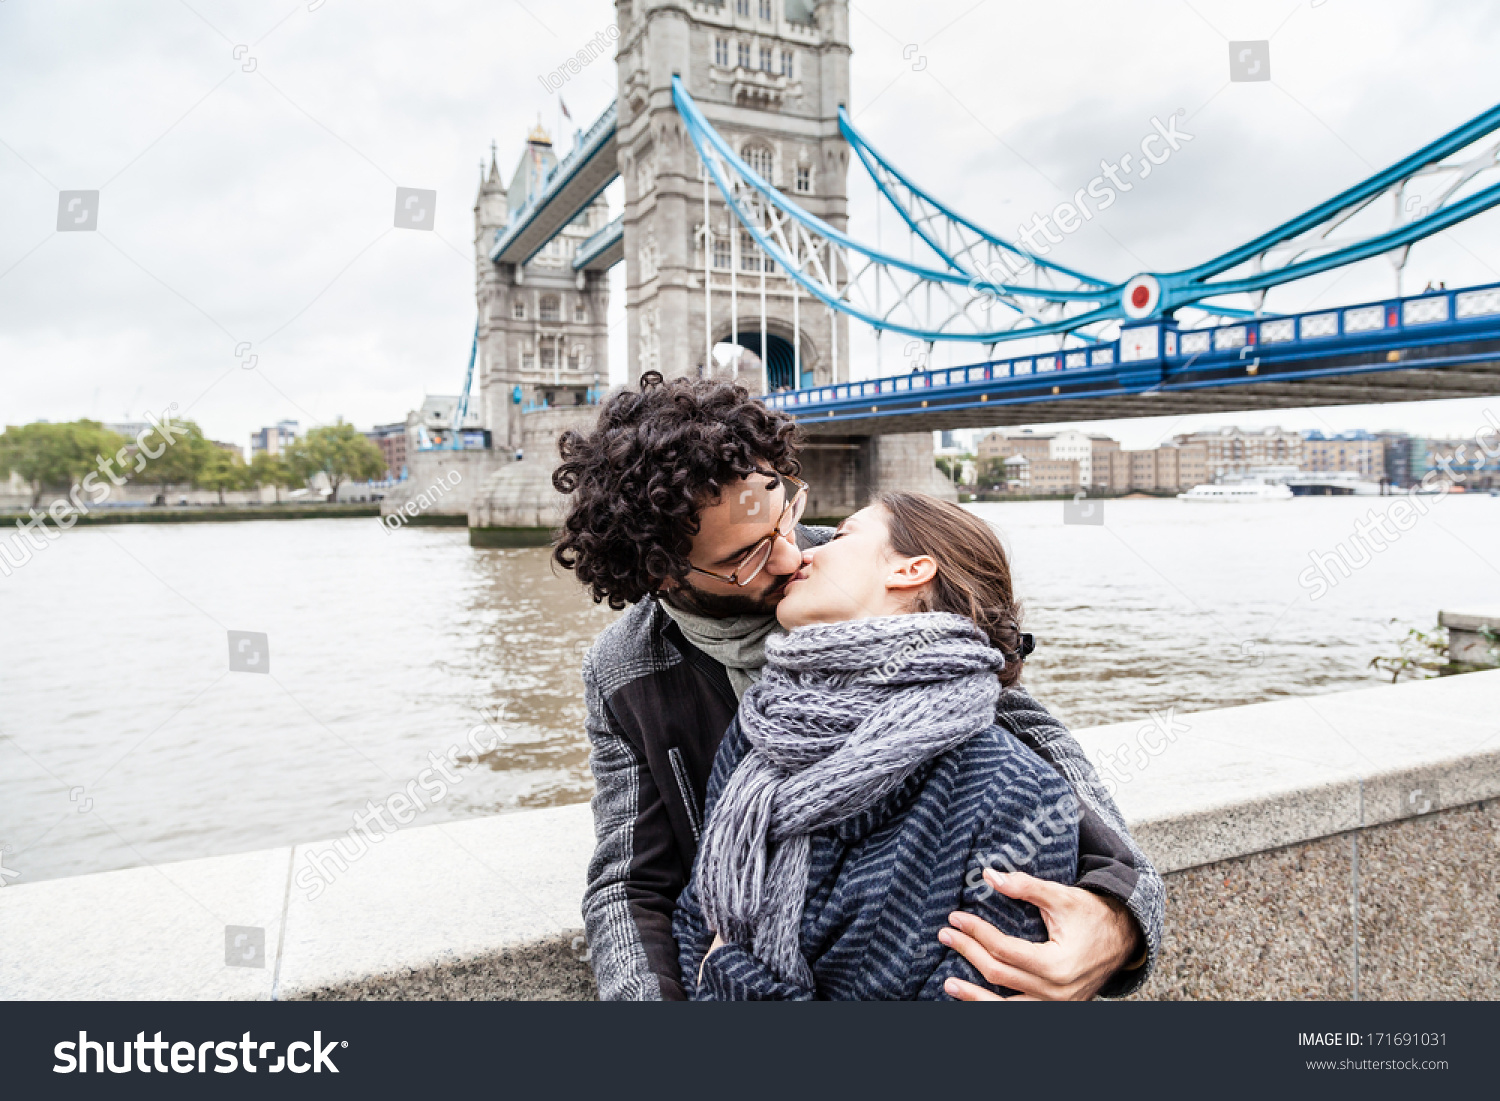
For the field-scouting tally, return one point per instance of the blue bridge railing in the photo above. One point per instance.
(1150, 355)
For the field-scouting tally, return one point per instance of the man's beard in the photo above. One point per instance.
(688, 598)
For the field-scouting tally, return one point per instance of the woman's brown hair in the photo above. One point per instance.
(973, 573)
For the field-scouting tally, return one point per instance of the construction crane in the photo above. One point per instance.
(454, 441)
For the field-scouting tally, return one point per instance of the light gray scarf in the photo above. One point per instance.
(843, 714)
(738, 643)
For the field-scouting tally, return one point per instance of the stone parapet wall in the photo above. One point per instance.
(518, 496)
(540, 429)
(442, 483)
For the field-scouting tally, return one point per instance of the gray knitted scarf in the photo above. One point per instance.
(842, 715)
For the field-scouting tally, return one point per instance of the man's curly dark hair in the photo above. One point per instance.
(653, 459)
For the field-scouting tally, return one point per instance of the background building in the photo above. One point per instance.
(275, 439)
(391, 439)
(1359, 452)
(1170, 467)
(1001, 444)
(1397, 450)
(1459, 461)
(128, 429)
(433, 424)
(1102, 447)
(1068, 460)
(1071, 446)
(1041, 476)
(1233, 451)
(1043, 471)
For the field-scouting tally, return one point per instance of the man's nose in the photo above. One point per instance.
(785, 557)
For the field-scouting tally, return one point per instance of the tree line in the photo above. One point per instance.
(56, 457)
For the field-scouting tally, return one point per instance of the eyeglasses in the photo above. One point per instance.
(749, 567)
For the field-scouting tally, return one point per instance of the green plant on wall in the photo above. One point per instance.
(1420, 654)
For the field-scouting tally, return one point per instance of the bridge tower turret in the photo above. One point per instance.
(542, 325)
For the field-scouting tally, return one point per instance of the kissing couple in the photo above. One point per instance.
(817, 774)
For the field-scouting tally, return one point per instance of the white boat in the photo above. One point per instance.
(1342, 483)
(1237, 493)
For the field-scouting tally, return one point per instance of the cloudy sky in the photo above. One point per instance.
(247, 156)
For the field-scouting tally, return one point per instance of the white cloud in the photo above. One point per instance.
(260, 203)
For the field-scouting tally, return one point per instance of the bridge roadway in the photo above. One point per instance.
(575, 181)
(604, 249)
(1421, 348)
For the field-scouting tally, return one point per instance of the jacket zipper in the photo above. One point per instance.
(679, 770)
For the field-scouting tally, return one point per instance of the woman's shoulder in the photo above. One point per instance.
(1006, 769)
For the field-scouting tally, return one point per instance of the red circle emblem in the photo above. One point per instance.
(1140, 296)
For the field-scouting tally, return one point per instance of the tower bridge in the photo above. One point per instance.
(730, 138)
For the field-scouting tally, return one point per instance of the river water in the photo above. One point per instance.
(125, 740)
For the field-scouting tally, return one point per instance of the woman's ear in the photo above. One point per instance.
(908, 574)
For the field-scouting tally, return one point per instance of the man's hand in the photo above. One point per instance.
(1089, 939)
(712, 948)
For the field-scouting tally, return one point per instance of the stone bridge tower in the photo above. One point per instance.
(543, 333)
(770, 75)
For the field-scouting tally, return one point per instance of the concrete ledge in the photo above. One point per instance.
(424, 898)
(149, 933)
(553, 970)
(1243, 780)
(212, 514)
(1472, 636)
(511, 537)
(1257, 815)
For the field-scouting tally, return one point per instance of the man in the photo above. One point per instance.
(669, 514)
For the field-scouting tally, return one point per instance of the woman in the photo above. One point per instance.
(865, 784)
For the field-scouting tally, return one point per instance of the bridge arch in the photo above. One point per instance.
(781, 359)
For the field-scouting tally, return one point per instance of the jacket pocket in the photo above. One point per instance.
(685, 789)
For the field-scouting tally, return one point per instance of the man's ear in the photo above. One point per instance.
(911, 573)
